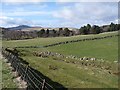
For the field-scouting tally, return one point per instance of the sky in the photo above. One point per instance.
(57, 13)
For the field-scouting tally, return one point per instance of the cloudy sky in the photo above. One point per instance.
(57, 13)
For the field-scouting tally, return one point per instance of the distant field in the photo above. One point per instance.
(106, 49)
(69, 74)
(45, 41)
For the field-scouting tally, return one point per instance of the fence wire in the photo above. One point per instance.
(34, 81)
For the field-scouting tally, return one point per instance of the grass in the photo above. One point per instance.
(45, 41)
(0, 75)
(106, 49)
(81, 77)
(68, 74)
(7, 77)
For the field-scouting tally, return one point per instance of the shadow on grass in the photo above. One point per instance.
(55, 85)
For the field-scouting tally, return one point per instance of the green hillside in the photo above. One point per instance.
(67, 73)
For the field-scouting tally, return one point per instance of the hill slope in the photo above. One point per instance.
(69, 74)
(20, 27)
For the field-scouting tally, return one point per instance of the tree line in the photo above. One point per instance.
(65, 32)
(95, 29)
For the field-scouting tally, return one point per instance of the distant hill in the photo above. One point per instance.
(35, 28)
(20, 27)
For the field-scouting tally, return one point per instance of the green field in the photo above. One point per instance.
(72, 75)
(45, 41)
(7, 77)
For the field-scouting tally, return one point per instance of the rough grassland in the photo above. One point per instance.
(7, 77)
(68, 74)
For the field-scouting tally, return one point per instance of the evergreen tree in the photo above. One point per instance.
(95, 29)
(112, 27)
(47, 32)
(66, 32)
(41, 33)
(83, 30)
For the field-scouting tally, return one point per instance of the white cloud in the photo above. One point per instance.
(65, 13)
(77, 14)
(26, 13)
(31, 10)
(83, 13)
(116, 21)
(8, 21)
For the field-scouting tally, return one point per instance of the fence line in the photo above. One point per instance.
(79, 40)
(71, 41)
(35, 74)
(33, 80)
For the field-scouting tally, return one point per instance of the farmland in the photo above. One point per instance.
(73, 75)
(8, 80)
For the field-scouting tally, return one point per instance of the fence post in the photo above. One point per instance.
(15, 62)
(12, 57)
(25, 72)
(17, 68)
(9, 57)
(43, 84)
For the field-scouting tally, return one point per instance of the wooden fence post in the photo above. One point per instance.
(12, 57)
(43, 84)
(17, 67)
(25, 72)
(9, 57)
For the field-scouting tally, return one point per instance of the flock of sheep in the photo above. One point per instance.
(83, 61)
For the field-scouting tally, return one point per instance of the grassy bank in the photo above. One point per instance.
(7, 77)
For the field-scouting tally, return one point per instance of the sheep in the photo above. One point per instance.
(115, 61)
(92, 59)
(84, 58)
(81, 58)
(66, 57)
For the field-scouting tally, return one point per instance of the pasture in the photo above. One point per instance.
(63, 70)
(8, 80)
(46, 41)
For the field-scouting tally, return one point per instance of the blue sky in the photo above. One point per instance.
(57, 14)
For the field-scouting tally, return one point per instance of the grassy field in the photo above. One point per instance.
(7, 77)
(45, 41)
(106, 49)
(68, 74)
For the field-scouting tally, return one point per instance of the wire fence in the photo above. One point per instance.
(27, 73)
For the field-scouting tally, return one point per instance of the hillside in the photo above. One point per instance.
(69, 71)
(20, 27)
